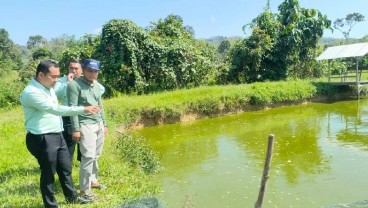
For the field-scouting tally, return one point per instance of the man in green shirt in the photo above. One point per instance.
(88, 129)
(44, 139)
(74, 72)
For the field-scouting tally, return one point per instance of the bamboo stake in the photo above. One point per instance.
(262, 189)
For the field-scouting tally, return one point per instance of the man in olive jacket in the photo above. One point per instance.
(88, 129)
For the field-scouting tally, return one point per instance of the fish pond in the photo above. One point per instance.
(320, 157)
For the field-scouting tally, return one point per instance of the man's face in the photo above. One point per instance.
(49, 79)
(76, 69)
(90, 74)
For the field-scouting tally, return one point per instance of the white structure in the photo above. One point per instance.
(344, 51)
(357, 50)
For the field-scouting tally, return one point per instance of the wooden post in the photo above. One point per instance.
(357, 79)
(262, 189)
(329, 71)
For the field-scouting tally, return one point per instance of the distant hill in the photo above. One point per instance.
(341, 41)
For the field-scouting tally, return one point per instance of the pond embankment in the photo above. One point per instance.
(131, 112)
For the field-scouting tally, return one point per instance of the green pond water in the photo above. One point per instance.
(320, 157)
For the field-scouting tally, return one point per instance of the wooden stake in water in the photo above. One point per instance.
(262, 189)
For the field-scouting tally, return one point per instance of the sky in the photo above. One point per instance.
(208, 18)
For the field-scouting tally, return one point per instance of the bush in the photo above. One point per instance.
(136, 151)
(10, 89)
(326, 89)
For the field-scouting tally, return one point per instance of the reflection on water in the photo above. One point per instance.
(319, 157)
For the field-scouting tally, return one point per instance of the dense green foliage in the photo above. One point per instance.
(164, 58)
(281, 45)
(10, 89)
(36, 41)
(81, 50)
(10, 54)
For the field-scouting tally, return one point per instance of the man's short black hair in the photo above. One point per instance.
(76, 61)
(44, 66)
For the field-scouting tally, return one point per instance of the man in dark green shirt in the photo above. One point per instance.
(88, 129)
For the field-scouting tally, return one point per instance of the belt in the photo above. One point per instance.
(56, 133)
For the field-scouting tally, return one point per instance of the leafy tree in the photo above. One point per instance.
(221, 61)
(300, 32)
(172, 27)
(248, 59)
(190, 30)
(80, 50)
(41, 53)
(345, 25)
(280, 45)
(224, 46)
(58, 45)
(10, 54)
(188, 61)
(36, 41)
(251, 58)
(29, 71)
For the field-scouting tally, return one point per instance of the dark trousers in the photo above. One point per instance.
(67, 133)
(52, 155)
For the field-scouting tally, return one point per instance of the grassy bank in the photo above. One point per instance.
(127, 165)
(19, 172)
(191, 104)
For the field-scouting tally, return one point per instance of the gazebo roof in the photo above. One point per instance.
(344, 51)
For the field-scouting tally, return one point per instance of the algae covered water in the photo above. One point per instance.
(320, 157)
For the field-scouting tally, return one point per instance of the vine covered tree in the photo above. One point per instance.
(164, 57)
(171, 27)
